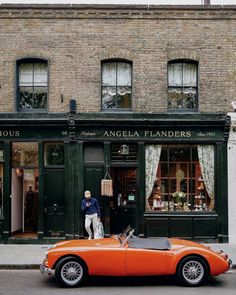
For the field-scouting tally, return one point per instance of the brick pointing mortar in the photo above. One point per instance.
(76, 39)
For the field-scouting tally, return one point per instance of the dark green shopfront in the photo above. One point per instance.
(169, 174)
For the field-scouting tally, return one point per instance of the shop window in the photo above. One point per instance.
(54, 154)
(24, 154)
(179, 178)
(32, 84)
(182, 85)
(1, 182)
(116, 85)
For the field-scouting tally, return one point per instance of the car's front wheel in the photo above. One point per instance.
(71, 272)
(192, 271)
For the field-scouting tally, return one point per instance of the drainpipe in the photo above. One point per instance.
(232, 178)
(206, 2)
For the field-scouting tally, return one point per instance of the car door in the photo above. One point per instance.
(145, 262)
(107, 261)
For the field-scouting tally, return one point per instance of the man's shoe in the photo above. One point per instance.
(90, 238)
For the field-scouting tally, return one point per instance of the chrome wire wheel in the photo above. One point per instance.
(193, 272)
(72, 273)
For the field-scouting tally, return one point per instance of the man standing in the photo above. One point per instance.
(91, 209)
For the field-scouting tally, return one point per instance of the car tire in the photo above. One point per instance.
(71, 272)
(192, 271)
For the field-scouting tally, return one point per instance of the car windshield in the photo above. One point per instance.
(126, 238)
(125, 235)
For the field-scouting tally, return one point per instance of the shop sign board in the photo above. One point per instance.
(116, 133)
(205, 134)
(32, 133)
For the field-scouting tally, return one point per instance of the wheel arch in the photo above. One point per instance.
(71, 256)
(194, 255)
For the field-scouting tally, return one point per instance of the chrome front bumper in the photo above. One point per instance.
(230, 263)
(45, 270)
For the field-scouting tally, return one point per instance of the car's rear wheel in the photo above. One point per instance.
(71, 272)
(192, 271)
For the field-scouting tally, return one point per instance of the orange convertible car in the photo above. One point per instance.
(125, 255)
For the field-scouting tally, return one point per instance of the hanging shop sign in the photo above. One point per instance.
(106, 185)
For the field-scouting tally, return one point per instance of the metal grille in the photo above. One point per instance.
(116, 155)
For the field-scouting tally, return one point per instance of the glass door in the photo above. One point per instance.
(24, 189)
(125, 198)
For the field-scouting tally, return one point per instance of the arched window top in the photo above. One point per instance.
(106, 60)
(32, 59)
(183, 60)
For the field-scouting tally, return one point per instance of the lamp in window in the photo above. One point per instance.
(19, 172)
(124, 150)
(201, 186)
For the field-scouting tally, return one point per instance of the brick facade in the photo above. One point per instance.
(74, 39)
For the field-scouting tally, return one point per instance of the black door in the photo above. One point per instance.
(54, 203)
(92, 182)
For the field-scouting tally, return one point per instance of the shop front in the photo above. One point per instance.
(169, 176)
(32, 178)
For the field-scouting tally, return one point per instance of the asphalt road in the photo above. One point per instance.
(31, 282)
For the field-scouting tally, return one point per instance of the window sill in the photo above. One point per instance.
(179, 213)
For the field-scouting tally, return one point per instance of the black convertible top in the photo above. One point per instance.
(152, 244)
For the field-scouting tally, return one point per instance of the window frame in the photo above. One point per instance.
(116, 86)
(183, 61)
(193, 190)
(1, 180)
(45, 145)
(30, 60)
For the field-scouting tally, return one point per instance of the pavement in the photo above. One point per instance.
(25, 256)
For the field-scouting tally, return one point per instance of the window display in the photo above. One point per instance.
(24, 154)
(179, 178)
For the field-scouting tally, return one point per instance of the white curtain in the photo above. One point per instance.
(33, 74)
(182, 74)
(189, 74)
(175, 74)
(206, 160)
(109, 74)
(116, 74)
(40, 74)
(123, 74)
(152, 158)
